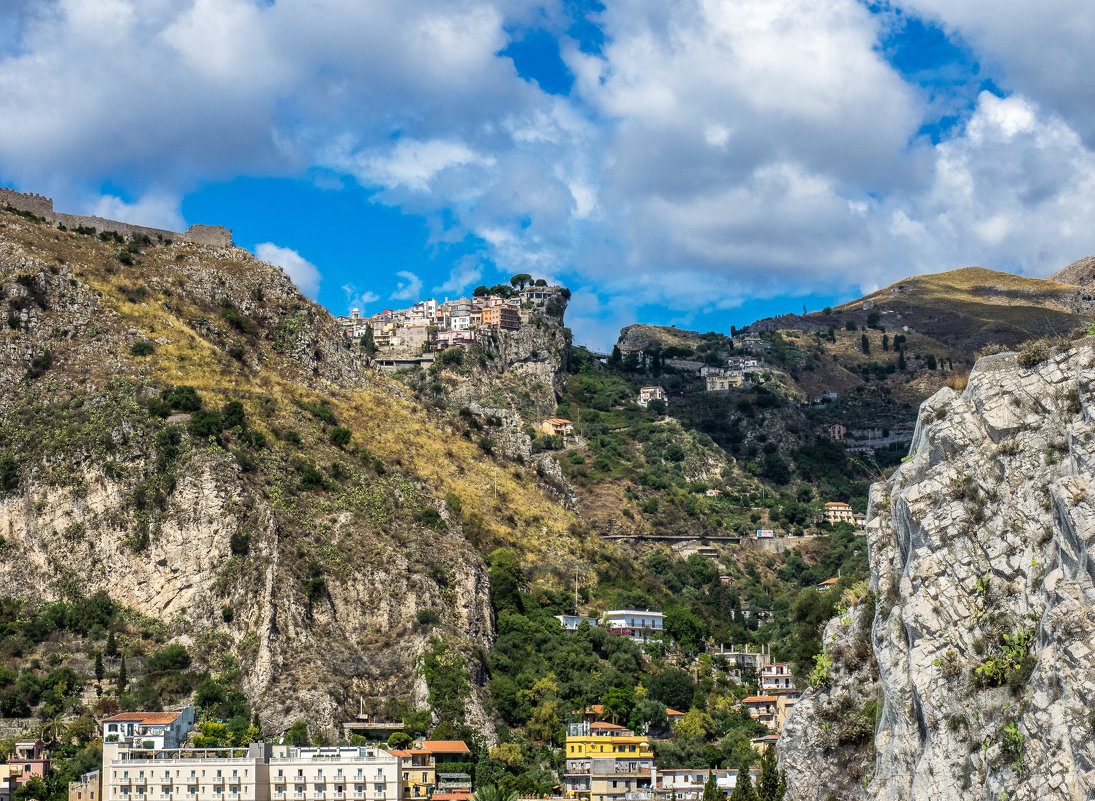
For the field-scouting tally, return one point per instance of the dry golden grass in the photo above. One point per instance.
(515, 510)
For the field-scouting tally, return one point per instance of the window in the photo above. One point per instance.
(379, 789)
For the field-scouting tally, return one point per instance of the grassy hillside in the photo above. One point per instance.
(286, 507)
(184, 434)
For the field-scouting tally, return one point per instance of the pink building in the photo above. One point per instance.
(29, 759)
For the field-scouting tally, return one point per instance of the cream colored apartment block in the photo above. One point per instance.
(360, 773)
(259, 772)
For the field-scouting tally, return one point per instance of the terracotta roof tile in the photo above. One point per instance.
(442, 747)
(149, 718)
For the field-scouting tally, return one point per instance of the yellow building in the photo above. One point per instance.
(88, 788)
(605, 762)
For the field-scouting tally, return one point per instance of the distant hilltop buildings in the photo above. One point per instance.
(42, 207)
(428, 326)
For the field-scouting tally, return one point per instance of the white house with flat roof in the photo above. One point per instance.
(639, 625)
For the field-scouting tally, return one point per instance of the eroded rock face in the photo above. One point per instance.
(981, 642)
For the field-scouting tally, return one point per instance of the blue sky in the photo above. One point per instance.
(700, 163)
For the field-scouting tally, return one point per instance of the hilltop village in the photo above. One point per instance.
(403, 338)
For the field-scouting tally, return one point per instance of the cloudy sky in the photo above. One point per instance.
(699, 163)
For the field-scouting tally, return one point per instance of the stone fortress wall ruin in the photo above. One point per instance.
(215, 235)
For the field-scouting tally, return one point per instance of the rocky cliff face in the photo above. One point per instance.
(967, 672)
(517, 370)
(304, 559)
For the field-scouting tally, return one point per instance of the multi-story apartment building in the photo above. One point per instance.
(772, 708)
(503, 316)
(776, 676)
(836, 512)
(259, 772)
(607, 763)
(88, 788)
(360, 773)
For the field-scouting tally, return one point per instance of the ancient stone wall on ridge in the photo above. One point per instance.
(214, 235)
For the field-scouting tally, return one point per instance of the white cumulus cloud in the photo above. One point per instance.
(303, 273)
(410, 288)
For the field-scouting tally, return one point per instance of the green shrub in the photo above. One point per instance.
(314, 588)
(311, 478)
(9, 473)
(339, 436)
(142, 347)
(450, 357)
(182, 398)
(453, 503)
(293, 438)
(40, 364)
(240, 543)
(205, 423)
(431, 518)
(233, 415)
(174, 657)
(428, 617)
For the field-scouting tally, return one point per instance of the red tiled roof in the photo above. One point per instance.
(828, 581)
(452, 796)
(839, 503)
(673, 712)
(558, 421)
(151, 718)
(442, 747)
(759, 699)
(601, 725)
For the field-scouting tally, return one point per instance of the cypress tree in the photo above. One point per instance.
(743, 789)
(123, 680)
(768, 783)
(711, 789)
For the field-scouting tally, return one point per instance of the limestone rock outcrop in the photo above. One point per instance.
(967, 673)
